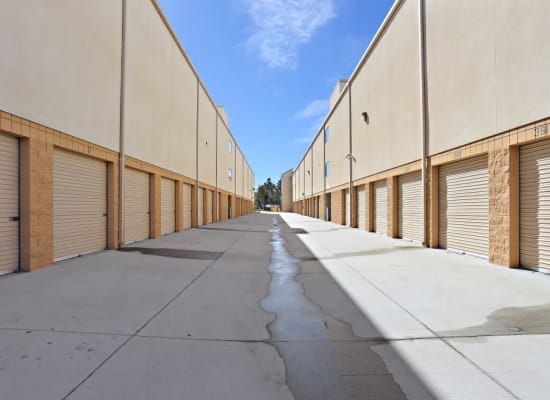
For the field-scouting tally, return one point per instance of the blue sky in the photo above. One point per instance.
(273, 64)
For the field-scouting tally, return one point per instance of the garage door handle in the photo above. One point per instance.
(104, 214)
(13, 219)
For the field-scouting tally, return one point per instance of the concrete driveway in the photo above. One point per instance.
(274, 307)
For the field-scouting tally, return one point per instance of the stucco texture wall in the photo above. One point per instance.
(387, 87)
(483, 78)
(161, 94)
(58, 69)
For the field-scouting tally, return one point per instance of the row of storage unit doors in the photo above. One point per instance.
(463, 192)
(80, 211)
(137, 205)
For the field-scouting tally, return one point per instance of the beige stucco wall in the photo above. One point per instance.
(226, 159)
(387, 88)
(336, 92)
(223, 114)
(58, 69)
(294, 188)
(338, 145)
(246, 181)
(522, 70)
(253, 183)
(308, 171)
(161, 94)
(318, 164)
(239, 172)
(207, 139)
(486, 63)
(286, 191)
(300, 181)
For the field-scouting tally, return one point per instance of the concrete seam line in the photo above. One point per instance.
(360, 340)
(371, 339)
(135, 334)
(436, 336)
(31, 330)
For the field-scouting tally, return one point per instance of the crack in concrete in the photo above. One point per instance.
(136, 333)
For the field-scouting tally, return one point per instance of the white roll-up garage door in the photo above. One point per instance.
(464, 206)
(535, 205)
(348, 208)
(411, 207)
(361, 207)
(200, 207)
(9, 204)
(187, 205)
(380, 207)
(209, 206)
(167, 206)
(80, 204)
(136, 205)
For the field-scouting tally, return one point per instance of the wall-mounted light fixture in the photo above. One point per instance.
(349, 156)
(365, 116)
(308, 172)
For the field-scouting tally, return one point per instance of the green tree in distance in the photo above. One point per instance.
(268, 193)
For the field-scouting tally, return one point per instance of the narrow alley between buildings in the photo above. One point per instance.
(274, 306)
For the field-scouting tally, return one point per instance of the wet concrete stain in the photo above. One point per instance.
(509, 321)
(175, 253)
(322, 356)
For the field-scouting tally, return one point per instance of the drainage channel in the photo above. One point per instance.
(323, 358)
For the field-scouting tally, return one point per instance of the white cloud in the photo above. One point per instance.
(310, 133)
(281, 26)
(314, 109)
(304, 139)
(314, 112)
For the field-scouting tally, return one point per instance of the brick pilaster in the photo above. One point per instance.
(36, 201)
(504, 206)
(112, 205)
(393, 207)
(433, 183)
(369, 187)
(179, 206)
(154, 204)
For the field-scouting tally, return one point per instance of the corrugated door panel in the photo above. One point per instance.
(9, 204)
(535, 205)
(348, 208)
(136, 205)
(361, 207)
(381, 207)
(208, 206)
(411, 209)
(464, 206)
(187, 206)
(200, 207)
(80, 204)
(167, 206)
